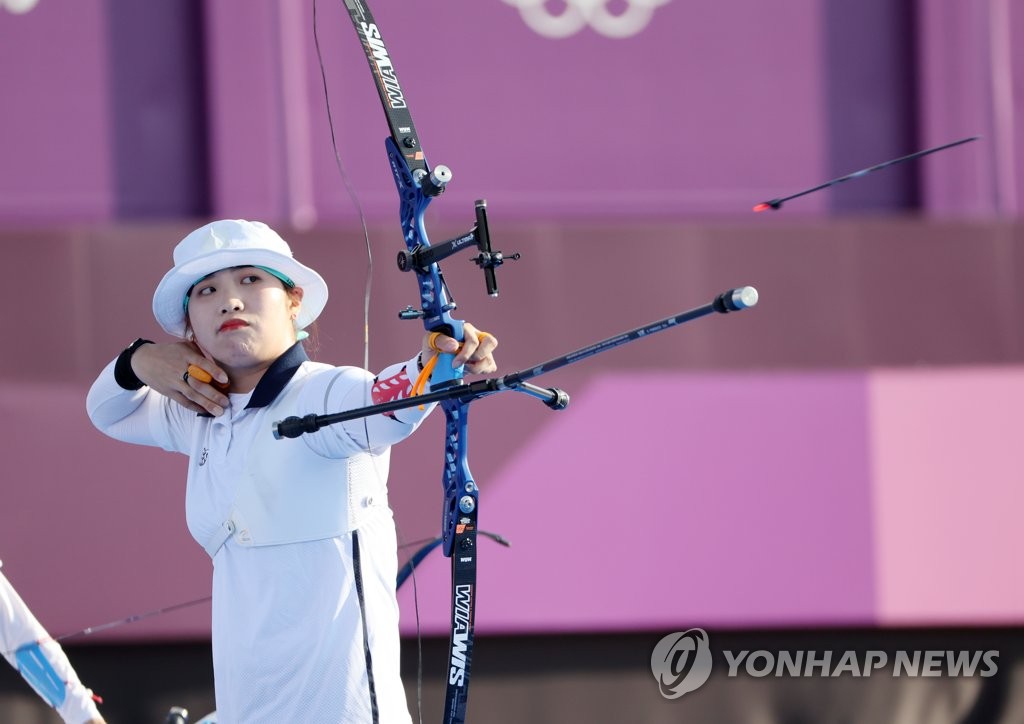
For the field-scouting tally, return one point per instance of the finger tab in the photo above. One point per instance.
(200, 374)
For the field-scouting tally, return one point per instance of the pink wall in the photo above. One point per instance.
(877, 378)
(886, 498)
(947, 488)
(92, 531)
(727, 500)
(662, 500)
(782, 465)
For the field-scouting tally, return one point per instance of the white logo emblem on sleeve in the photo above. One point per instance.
(578, 14)
(681, 662)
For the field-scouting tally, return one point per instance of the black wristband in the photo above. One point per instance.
(124, 375)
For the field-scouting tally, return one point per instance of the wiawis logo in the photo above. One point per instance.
(460, 635)
(681, 662)
(385, 69)
(356, 9)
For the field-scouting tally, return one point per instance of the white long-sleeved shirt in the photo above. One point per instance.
(288, 628)
(18, 628)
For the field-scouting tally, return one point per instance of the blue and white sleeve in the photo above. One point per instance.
(40, 660)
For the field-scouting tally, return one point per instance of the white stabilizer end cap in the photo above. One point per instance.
(745, 297)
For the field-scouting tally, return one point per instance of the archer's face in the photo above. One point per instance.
(243, 318)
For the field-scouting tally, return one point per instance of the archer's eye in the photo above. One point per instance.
(250, 278)
(204, 291)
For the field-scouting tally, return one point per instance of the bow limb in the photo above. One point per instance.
(417, 184)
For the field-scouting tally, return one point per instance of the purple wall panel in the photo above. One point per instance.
(706, 110)
(244, 102)
(663, 501)
(684, 117)
(871, 101)
(158, 117)
(55, 132)
(971, 61)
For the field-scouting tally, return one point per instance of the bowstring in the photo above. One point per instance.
(353, 196)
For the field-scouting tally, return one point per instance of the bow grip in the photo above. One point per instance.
(444, 374)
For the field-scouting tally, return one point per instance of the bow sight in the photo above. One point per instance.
(420, 259)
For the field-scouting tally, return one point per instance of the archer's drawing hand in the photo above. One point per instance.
(163, 367)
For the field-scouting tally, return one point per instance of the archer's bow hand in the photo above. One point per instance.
(476, 352)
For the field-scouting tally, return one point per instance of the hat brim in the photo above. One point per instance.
(169, 297)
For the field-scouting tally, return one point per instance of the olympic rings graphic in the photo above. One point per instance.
(578, 14)
(17, 7)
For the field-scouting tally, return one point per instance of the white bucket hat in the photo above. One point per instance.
(225, 244)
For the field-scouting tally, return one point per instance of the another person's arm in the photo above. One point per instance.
(41, 661)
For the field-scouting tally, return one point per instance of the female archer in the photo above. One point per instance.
(305, 618)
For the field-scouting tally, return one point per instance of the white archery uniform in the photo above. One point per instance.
(280, 519)
(30, 649)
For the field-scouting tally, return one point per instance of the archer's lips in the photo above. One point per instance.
(232, 324)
